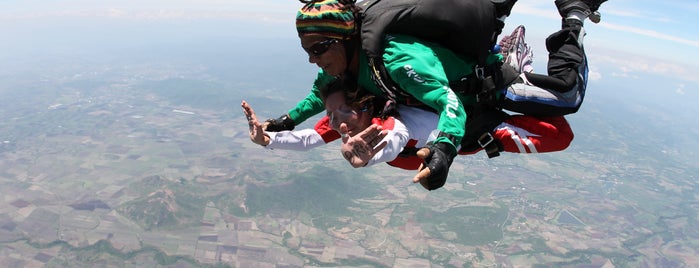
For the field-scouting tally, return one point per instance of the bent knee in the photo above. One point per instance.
(565, 133)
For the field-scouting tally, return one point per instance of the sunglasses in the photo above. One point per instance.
(321, 47)
(344, 114)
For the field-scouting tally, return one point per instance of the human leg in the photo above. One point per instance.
(562, 90)
(566, 59)
(529, 134)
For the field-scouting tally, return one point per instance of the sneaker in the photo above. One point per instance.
(587, 7)
(595, 17)
(516, 52)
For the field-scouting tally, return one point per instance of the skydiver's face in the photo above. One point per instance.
(327, 53)
(341, 113)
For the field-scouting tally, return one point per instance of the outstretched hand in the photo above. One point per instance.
(360, 148)
(257, 133)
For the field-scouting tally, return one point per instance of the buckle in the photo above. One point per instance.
(491, 148)
(482, 139)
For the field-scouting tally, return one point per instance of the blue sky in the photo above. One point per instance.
(635, 37)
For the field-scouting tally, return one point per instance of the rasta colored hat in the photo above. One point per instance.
(331, 18)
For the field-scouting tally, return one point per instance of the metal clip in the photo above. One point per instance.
(480, 72)
(485, 143)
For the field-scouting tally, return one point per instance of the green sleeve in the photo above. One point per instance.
(312, 104)
(423, 70)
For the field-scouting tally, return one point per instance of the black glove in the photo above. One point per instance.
(282, 123)
(438, 161)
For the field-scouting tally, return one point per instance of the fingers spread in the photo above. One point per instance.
(372, 135)
(378, 148)
(370, 132)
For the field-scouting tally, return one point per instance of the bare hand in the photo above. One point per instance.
(424, 172)
(257, 134)
(360, 148)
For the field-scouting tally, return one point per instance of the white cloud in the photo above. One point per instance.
(629, 65)
(637, 14)
(594, 74)
(115, 12)
(544, 9)
(537, 8)
(281, 11)
(680, 89)
(621, 27)
(625, 75)
(650, 33)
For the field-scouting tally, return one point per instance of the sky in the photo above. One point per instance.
(635, 37)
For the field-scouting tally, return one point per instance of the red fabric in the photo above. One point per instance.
(410, 163)
(546, 134)
(387, 124)
(549, 134)
(326, 132)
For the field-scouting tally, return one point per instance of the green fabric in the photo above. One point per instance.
(423, 70)
(312, 104)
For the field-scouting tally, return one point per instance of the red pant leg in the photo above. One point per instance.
(529, 134)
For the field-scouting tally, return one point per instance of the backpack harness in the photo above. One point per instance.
(467, 27)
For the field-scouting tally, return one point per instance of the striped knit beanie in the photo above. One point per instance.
(330, 18)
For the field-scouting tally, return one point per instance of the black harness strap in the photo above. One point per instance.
(491, 146)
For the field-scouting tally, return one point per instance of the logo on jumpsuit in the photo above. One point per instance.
(452, 103)
(452, 100)
(413, 74)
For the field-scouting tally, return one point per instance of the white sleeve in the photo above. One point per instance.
(420, 123)
(297, 140)
(396, 139)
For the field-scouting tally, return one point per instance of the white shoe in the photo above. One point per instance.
(516, 52)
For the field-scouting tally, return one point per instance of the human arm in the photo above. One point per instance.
(420, 69)
(305, 139)
(295, 140)
(423, 70)
(298, 140)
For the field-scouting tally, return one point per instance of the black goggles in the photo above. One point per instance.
(321, 47)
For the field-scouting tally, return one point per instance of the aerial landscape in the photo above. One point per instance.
(122, 167)
(138, 155)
